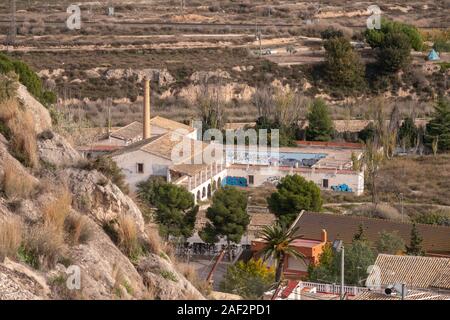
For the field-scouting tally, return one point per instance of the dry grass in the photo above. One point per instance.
(154, 242)
(44, 246)
(78, 229)
(10, 237)
(21, 133)
(8, 110)
(16, 184)
(423, 179)
(191, 275)
(128, 239)
(23, 139)
(381, 211)
(56, 211)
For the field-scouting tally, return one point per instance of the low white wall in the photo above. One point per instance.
(262, 175)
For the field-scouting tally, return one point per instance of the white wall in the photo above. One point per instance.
(263, 174)
(153, 166)
(205, 184)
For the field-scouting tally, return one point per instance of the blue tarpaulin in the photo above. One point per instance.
(236, 181)
(433, 55)
(342, 188)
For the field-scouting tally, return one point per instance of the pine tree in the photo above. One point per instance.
(228, 216)
(343, 66)
(360, 236)
(438, 129)
(415, 245)
(320, 127)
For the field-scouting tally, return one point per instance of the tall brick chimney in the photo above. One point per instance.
(146, 129)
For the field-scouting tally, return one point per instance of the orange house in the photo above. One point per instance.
(298, 268)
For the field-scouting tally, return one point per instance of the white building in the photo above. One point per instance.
(157, 148)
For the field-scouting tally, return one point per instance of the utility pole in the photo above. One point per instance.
(11, 39)
(108, 104)
(338, 246)
(401, 202)
(258, 37)
(342, 272)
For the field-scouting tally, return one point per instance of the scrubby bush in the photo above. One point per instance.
(381, 211)
(123, 232)
(28, 78)
(43, 246)
(109, 168)
(18, 126)
(436, 218)
(55, 212)
(249, 280)
(394, 53)
(390, 243)
(78, 229)
(375, 37)
(16, 184)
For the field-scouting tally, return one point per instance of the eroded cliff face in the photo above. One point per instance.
(40, 253)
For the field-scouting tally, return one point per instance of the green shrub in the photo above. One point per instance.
(169, 275)
(28, 78)
(109, 168)
(375, 38)
(249, 280)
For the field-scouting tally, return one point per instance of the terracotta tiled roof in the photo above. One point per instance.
(133, 131)
(170, 125)
(435, 238)
(412, 295)
(190, 169)
(414, 271)
(162, 146)
(129, 132)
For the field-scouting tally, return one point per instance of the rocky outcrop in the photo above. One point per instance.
(94, 194)
(41, 116)
(54, 149)
(161, 76)
(16, 285)
(160, 275)
(105, 271)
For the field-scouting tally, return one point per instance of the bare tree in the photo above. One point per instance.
(371, 161)
(211, 106)
(262, 99)
(11, 39)
(290, 107)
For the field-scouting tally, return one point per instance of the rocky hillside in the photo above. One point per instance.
(57, 218)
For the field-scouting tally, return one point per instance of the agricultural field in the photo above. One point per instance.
(225, 41)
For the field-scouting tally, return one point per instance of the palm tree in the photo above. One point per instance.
(278, 239)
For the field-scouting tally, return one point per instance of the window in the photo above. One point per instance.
(251, 179)
(325, 183)
(140, 168)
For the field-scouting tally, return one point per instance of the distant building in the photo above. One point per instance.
(295, 268)
(417, 273)
(304, 290)
(147, 149)
(411, 295)
(436, 239)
